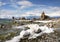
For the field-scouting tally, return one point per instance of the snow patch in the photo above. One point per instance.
(31, 33)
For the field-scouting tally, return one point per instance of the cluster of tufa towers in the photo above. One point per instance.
(44, 17)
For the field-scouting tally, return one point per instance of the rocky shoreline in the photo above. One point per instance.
(38, 39)
(44, 38)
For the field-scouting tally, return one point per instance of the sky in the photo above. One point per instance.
(23, 8)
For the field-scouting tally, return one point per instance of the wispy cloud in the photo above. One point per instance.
(20, 4)
(36, 12)
(1, 4)
(8, 13)
(23, 5)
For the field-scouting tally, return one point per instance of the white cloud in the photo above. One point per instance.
(55, 8)
(57, 13)
(1, 4)
(24, 4)
(36, 12)
(49, 11)
(22, 7)
(20, 4)
(53, 11)
(8, 13)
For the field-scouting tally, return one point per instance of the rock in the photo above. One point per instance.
(42, 38)
(38, 31)
(44, 17)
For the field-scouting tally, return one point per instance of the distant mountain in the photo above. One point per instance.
(56, 17)
(28, 17)
(31, 17)
(4, 19)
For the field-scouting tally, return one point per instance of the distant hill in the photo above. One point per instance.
(56, 17)
(28, 17)
(4, 19)
(31, 17)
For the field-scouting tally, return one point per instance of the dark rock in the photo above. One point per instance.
(38, 31)
(44, 17)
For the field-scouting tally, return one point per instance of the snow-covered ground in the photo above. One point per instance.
(45, 21)
(23, 20)
(32, 32)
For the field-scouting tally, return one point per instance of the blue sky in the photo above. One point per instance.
(23, 8)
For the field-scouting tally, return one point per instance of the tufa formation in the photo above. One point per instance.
(44, 17)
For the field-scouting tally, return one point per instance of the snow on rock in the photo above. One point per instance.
(31, 33)
(45, 21)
